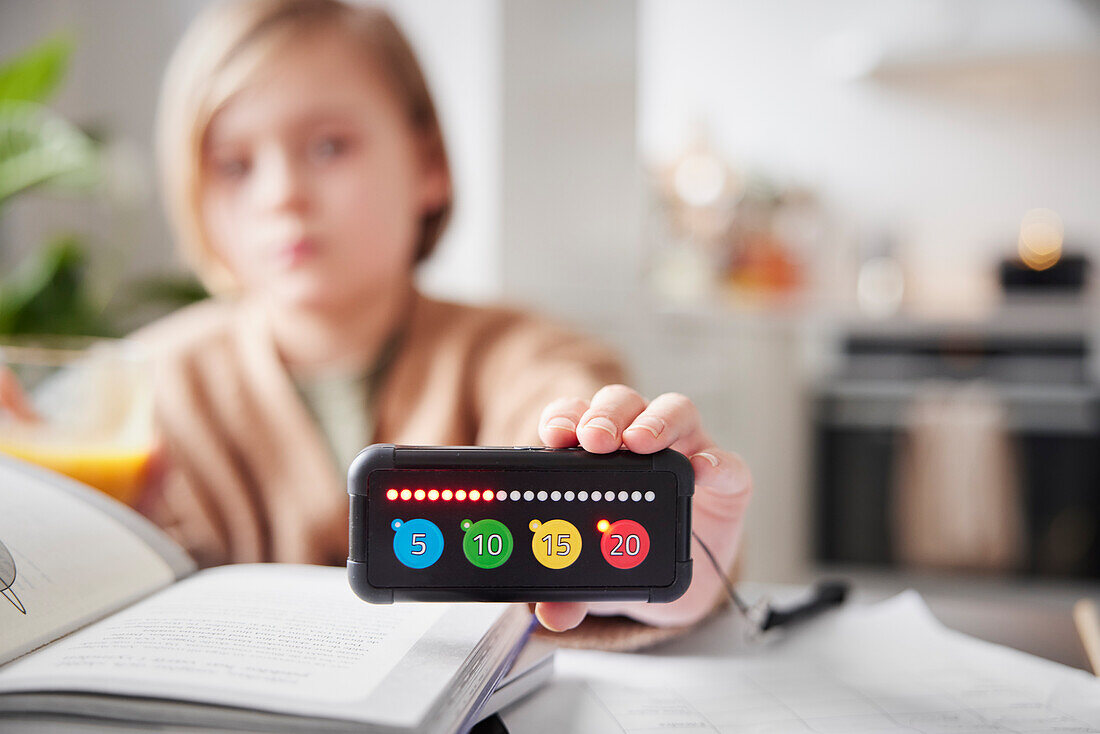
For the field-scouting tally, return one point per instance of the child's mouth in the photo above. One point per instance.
(297, 252)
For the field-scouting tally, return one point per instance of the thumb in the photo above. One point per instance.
(559, 616)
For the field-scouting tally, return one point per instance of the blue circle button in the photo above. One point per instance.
(417, 543)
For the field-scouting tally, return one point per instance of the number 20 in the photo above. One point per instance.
(637, 545)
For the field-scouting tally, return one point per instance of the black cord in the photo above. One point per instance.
(826, 594)
(737, 600)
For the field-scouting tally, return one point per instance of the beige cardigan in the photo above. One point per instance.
(250, 477)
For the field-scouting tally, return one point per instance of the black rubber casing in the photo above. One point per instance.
(535, 459)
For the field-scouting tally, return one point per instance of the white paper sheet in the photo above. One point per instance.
(890, 667)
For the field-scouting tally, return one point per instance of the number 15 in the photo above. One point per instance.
(562, 544)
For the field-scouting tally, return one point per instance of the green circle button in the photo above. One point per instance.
(487, 544)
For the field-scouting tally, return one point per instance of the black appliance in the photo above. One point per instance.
(1042, 378)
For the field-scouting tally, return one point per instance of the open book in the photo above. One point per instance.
(105, 618)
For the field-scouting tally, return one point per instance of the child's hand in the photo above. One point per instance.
(618, 416)
(13, 399)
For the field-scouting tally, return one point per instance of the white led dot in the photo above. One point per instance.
(569, 496)
(555, 495)
(528, 495)
(542, 495)
(502, 495)
(623, 495)
(649, 496)
(595, 496)
(515, 495)
(582, 495)
(635, 495)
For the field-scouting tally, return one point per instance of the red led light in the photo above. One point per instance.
(474, 495)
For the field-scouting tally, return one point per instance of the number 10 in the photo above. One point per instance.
(481, 543)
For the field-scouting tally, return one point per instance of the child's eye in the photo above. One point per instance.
(328, 147)
(232, 168)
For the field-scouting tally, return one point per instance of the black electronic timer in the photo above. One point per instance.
(518, 524)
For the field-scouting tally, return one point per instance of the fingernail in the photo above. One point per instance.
(710, 457)
(561, 423)
(603, 424)
(654, 425)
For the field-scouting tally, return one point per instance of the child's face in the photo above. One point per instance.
(313, 182)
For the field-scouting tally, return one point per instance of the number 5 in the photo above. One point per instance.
(563, 542)
(418, 541)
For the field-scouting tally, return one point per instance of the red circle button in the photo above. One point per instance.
(624, 544)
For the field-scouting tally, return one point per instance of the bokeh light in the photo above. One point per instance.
(1041, 235)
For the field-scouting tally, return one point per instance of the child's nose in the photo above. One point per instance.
(281, 182)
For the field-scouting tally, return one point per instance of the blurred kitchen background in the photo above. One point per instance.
(859, 234)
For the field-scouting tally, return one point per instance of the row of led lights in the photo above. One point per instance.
(515, 495)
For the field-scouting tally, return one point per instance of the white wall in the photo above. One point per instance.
(981, 110)
(459, 44)
(571, 187)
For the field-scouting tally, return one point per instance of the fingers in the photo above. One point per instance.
(558, 616)
(613, 408)
(617, 416)
(558, 424)
(13, 399)
(152, 485)
(669, 418)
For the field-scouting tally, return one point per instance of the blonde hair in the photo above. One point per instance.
(219, 53)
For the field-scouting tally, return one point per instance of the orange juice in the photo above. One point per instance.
(116, 470)
(86, 409)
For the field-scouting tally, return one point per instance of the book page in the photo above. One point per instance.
(887, 668)
(68, 556)
(276, 637)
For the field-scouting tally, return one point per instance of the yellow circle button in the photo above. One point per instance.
(556, 543)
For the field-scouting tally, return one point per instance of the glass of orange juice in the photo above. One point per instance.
(80, 406)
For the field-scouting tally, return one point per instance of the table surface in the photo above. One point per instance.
(1029, 615)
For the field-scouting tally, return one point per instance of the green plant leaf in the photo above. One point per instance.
(35, 74)
(48, 294)
(38, 146)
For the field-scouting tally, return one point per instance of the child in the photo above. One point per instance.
(305, 173)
